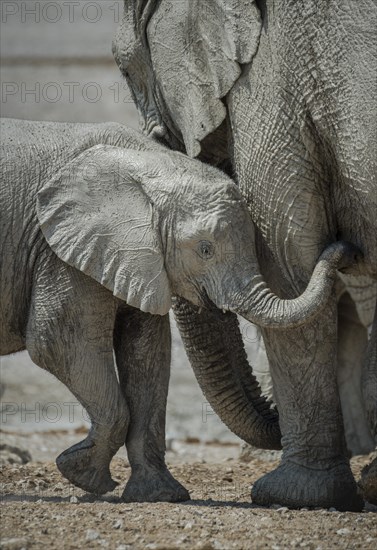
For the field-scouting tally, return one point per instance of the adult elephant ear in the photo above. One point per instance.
(180, 57)
(97, 217)
(196, 49)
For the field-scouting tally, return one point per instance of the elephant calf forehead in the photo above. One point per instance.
(204, 225)
(216, 193)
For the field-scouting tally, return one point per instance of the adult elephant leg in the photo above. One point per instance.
(314, 470)
(369, 381)
(69, 333)
(352, 344)
(368, 481)
(142, 346)
(284, 177)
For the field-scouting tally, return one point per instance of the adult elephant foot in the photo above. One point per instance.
(86, 465)
(154, 486)
(368, 482)
(296, 486)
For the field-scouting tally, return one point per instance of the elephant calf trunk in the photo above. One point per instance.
(264, 308)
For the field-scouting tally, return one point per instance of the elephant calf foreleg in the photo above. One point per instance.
(142, 345)
(86, 464)
(70, 333)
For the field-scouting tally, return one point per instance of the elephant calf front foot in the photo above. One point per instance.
(154, 486)
(296, 486)
(87, 467)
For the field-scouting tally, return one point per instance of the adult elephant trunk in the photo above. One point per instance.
(245, 292)
(216, 352)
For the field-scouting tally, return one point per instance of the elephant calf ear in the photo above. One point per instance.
(97, 218)
(196, 48)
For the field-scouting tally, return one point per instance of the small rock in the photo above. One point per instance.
(276, 506)
(343, 531)
(91, 534)
(30, 484)
(189, 525)
(118, 524)
(332, 509)
(282, 510)
(74, 500)
(13, 455)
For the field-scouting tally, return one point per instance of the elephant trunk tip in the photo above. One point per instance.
(342, 254)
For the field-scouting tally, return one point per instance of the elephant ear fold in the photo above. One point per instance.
(196, 48)
(96, 217)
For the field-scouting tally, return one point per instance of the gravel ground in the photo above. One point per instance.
(39, 509)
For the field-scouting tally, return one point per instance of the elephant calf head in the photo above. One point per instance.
(150, 224)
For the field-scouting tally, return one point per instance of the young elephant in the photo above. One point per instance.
(100, 227)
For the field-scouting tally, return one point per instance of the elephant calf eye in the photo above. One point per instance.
(206, 250)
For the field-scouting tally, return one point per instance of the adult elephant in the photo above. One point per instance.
(286, 91)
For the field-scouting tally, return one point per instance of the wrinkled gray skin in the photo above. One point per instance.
(283, 96)
(355, 297)
(100, 226)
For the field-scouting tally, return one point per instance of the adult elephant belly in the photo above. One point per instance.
(278, 162)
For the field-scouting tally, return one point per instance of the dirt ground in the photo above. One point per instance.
(40, 509)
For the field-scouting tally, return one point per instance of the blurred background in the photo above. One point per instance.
(56, 64)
